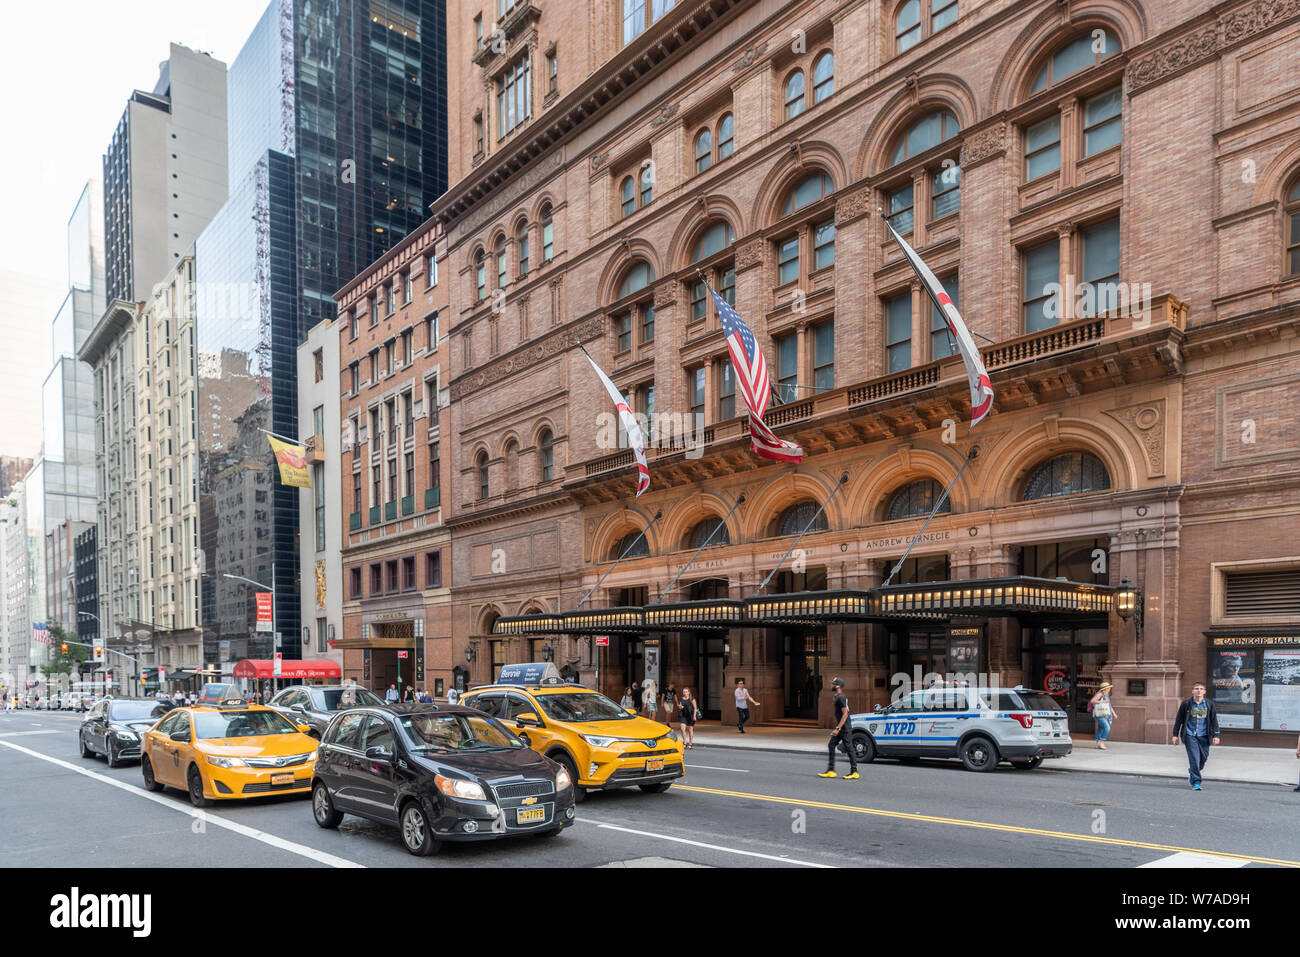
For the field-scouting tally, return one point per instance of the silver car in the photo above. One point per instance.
(982, 726)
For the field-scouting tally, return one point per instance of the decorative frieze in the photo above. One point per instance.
(983, 145)
(852, 206)
(750, 58)
(526, 358)
(749, 254)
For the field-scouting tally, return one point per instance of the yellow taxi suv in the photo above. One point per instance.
(600, 744)
(226, 752)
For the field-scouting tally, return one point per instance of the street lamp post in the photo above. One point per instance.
(249, 581)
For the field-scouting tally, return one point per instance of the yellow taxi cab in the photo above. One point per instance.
(600, 744)
(228, 751)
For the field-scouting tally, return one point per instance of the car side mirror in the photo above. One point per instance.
(378, 754)
(528, 720)
(182, 736)
(305, 728)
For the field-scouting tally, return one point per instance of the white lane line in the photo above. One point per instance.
(197, 813)
(23, 734)
(711, 847)
(706, 767)
(1188, 859)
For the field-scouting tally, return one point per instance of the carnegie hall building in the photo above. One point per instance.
(1110, 192)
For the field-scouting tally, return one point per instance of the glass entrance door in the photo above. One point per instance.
(711, 662)
(1068, 667)
(804, 652)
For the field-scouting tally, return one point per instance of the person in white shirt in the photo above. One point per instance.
(650, 699)
(743, 698)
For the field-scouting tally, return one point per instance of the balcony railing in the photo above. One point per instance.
(354, 521)
(433, 497)
(374, 514)
(408, 504)
(390, 510)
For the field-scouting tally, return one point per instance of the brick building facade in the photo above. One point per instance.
(1109, 190)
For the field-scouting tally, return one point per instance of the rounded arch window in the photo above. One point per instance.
(927, 132)
(703, 151)
(726, 136)
(795, 518)
(640, 275)
(480, 274)
(627, 196)
(635, 541)
(548, 234)
(1292, 214)
(794, 100)
(716, 238)
(808, 190)
(823, 76)
(916, 499)
(698, 535)
(521, 237)
(481, 466)
(501, 262)
(1083, 51)
(546, 442)
(1074, 473)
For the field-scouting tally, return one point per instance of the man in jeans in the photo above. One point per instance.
(1199, 723)
(841, 736)
(742, 704)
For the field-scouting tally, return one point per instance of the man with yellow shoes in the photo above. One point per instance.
(842, 735)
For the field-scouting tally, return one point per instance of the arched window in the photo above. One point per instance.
(823, 76)
(726, 136)
(809, 190)
(501, 262)
(546, 442)
(927, 132)
(481, 465)
(1080, 53)
(795, 518)
(548, 235)
(640, 549)
(794, 95)
(1292, 214)
(640, 275)
(521, 238)
(512, 465)
(910, 28)
(1073, 473)
(627, 195)
(480, 275)
(916, 499)
(703, 151)
(714, 240)
(701, 533)
(647, 184)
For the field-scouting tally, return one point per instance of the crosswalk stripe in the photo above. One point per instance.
(1189, 859)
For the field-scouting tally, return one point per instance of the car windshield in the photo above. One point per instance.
(213, 692)
(455, 732)
(1040, 701)
(240, 724)
(581, 706)
(133, 710)
(336, 699)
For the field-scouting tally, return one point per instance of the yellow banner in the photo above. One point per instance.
(293, 463)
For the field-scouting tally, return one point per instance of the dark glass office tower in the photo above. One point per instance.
(337, 145)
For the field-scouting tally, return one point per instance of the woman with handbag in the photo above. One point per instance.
(1102, 713)
(687, 714)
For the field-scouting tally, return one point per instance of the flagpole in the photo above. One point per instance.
(970, 456)
(721, 525)
(630, 546)
(843, 480)
(282, 438)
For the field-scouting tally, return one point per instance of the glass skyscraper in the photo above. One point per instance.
(337, 145)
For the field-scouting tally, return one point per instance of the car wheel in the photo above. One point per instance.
(322, 808)
(110, 755)
(1028, 764)
(85, 749)
(659, 788)
(864, 748)
(196, 788)
(417, 835)
(979, 754)
(150, 782)
(579, 794)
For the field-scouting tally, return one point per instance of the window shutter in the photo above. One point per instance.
(1257, 594)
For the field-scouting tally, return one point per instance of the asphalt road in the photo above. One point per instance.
(733, 809)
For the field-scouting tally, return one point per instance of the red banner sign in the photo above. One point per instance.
(401, 654)
(264, 612)
(602, 641)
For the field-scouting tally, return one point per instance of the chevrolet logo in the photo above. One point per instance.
(530, 801)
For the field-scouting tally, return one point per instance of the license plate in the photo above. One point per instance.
(282, 778)
(654, 764)
(527, 815)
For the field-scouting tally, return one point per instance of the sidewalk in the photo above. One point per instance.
(1245, 765)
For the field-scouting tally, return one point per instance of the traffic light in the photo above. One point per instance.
(99, 651)
(63, 648)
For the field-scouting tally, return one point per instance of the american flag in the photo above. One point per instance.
(40, 633)
(634, 438)
(753, 383)
(981, 389)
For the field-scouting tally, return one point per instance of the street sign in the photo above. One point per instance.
(401, 654)
(602, 641)
(277, 666)
(265, 614)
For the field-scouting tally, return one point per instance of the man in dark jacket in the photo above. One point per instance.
(1199, 724)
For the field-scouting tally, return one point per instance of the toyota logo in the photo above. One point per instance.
(280, 762)
(650, 744)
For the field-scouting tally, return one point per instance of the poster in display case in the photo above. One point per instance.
(1280, 699)
(1235, 688)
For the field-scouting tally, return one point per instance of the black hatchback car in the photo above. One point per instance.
(114, 727)
(439, 773)
(316, 705)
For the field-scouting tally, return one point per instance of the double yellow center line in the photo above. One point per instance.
(984, 825)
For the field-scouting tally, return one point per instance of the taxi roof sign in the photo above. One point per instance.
(530, 674)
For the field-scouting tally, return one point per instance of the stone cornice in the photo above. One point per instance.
(525, 357)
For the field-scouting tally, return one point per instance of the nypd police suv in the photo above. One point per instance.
(982, 726)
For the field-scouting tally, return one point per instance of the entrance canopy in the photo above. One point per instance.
(307, 668)
(928, 601)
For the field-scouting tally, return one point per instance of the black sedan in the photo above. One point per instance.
(114, 727)
(315, 705)
(439, 773)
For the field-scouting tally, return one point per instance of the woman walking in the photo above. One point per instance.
(1102, 713)
(626, 702)
(670, 702)
(687, 714)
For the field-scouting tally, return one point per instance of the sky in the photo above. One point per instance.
(67, 73)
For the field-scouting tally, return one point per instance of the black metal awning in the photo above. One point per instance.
(928, 601)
